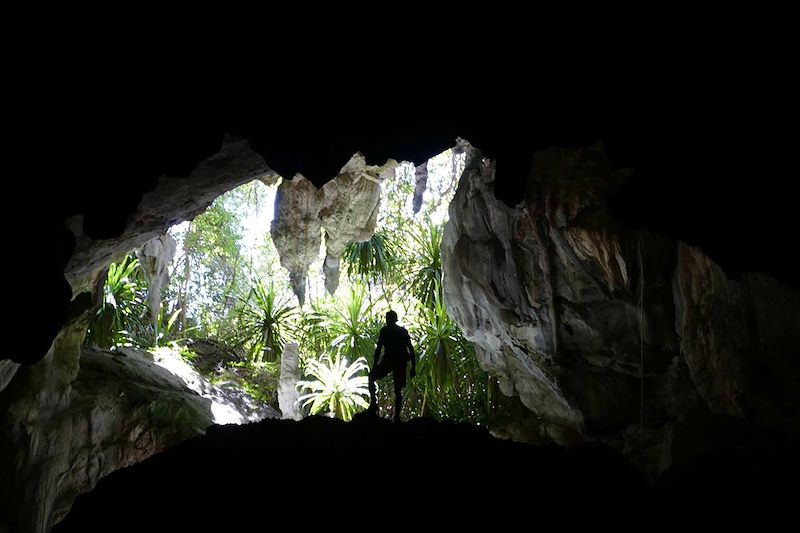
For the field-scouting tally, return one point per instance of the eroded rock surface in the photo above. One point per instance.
(172, 201)
(58, 439)
(346, 208)
(296, 229)
(287, 387)
(8, 369)
(154, 258)
(598, 328)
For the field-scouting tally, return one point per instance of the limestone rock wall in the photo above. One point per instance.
(155, 257)
(598, 328)
(172, 201)
(58, 439)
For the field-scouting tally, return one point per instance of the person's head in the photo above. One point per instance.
(391, 317)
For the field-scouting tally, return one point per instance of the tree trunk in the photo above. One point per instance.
(266, 354)
(187, 273)
(226, 314)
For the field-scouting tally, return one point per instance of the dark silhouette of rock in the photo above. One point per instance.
(322, 471)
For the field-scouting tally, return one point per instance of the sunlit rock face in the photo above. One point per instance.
(7, 370)
(229, 403)
(346, 208)
(81, 413)
(75, 416)
(154, 258)
(350, 210)
(287, 387)
(58, 439)
(174, 200)
(420, 184)
(596, 327)
(296, 229)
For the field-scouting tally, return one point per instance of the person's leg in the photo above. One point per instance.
(373, 403)
(399, 379)
(378, 372)
(398, 401)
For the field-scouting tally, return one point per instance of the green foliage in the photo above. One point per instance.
(173, 349)
(372, 259)
(186, 354)
(315, 339)
(264, 322)
(346, 325)
(395, 210)
(425, 263)
(120, 319)
(258, 378)
(213, 284)
(438, 336)
(165, 327)
(449, 384)
(215, 237)
(209, 276)
(337, 389)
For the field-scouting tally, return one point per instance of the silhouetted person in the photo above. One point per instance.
(397, 352)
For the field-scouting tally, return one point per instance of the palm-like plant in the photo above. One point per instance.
(119, 321)
(347, 324)
(450, 382)
(337, 389)
(163, 332)
(375, 259)
(426, 263)
(438, 337)
(265, 320)
(313, 334)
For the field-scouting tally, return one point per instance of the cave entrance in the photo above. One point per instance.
(226, 309)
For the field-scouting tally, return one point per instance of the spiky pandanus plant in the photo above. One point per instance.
(264, 322)
(425, 265)
(348, 324)
(450, 382)
(374, 260)
(438, 335)
(314, 337)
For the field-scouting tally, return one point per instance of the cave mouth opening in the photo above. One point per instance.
(216, 302)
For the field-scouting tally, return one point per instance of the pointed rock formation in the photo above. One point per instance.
(350, 210)
(154, 258)
(287, 386)
(296, 229)
(420, 184)
(346, 208)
